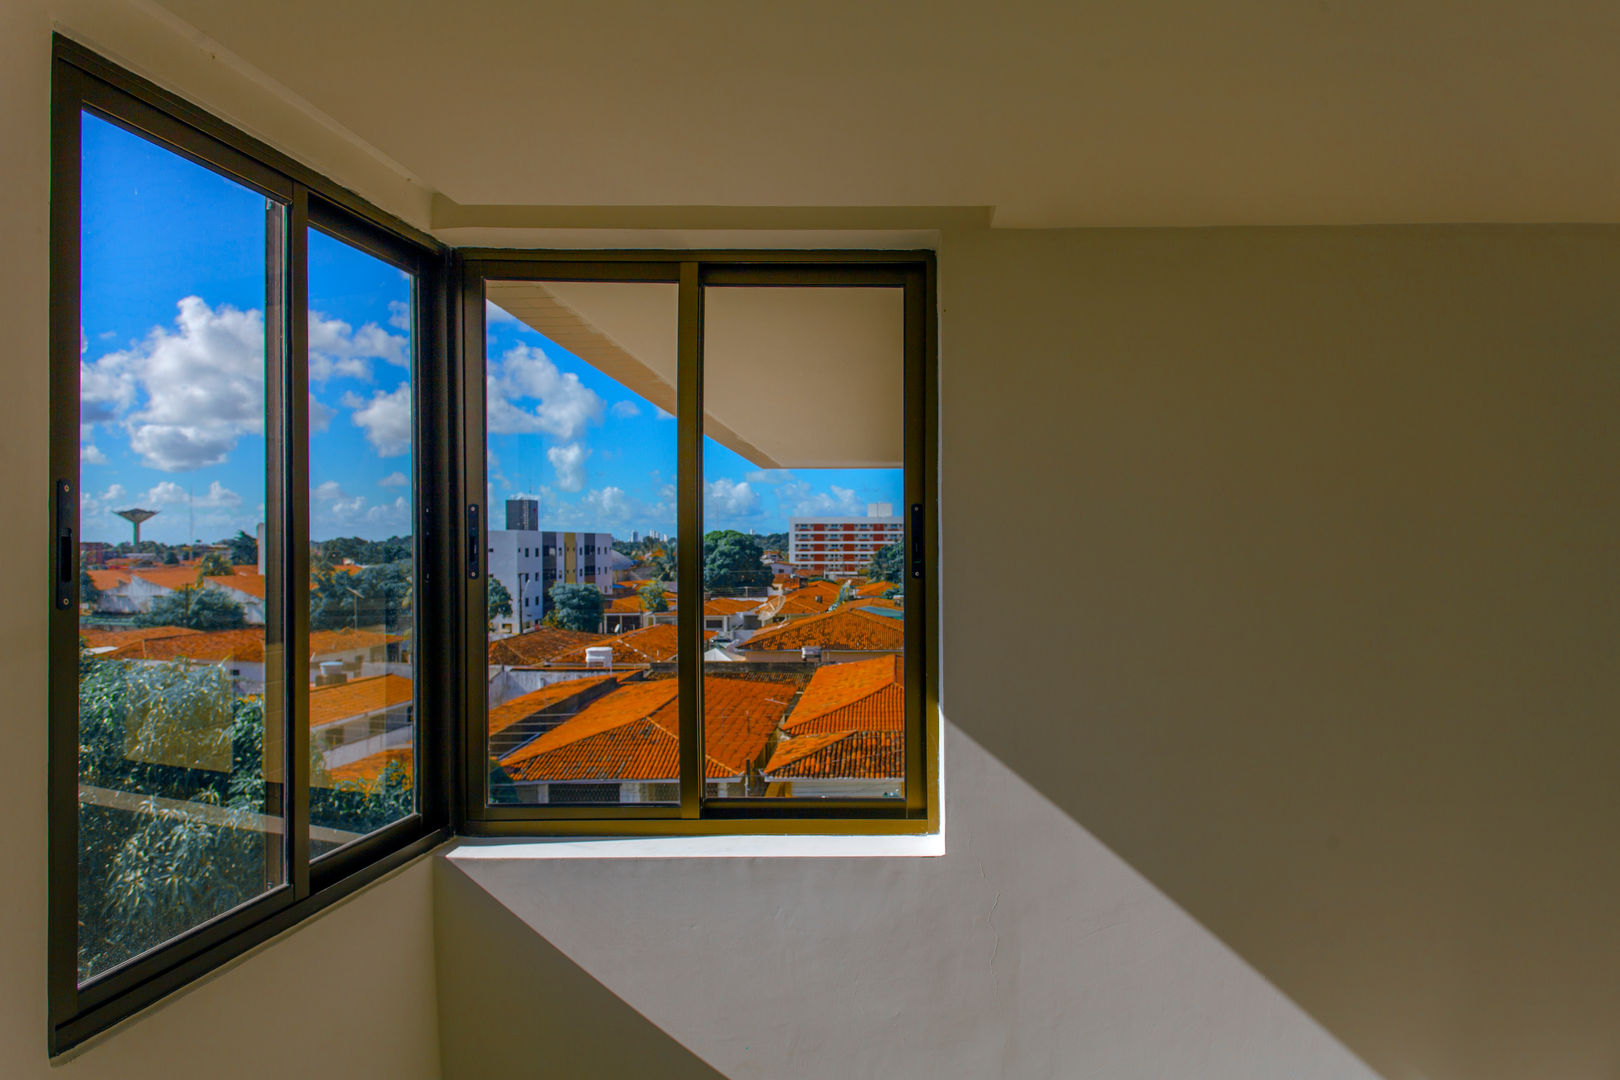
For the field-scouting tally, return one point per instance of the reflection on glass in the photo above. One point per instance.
(362, 663)
(804, 600)
(179, 775)
(580, 396)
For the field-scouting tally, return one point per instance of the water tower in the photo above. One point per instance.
(135, 516)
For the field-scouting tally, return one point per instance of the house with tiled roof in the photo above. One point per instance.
(514, 723)
(845, 735)
(334, 654)
(649, 645)
(813, 599)
(844, 764)
(849, 633)
(354, 719)
(538, 646)
(623, 748)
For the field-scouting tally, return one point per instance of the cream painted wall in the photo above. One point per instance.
(350, 994)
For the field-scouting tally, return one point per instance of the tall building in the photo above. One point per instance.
(523, 514)
(836, 546)
(530, 561)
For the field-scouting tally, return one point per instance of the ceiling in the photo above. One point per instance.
(1142, 113)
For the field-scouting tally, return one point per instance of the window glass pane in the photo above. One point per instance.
(362, 665)
(804, 674)
(179, 760)
(583, 703)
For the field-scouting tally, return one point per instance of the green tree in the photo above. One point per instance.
(88, 593)
(195, 606)
(732, 562)
(888, 564)
(170, 558)
(244, 549)
(653, 597)
(214, 564)
(575, 607)
(500, 601)
(376, 596)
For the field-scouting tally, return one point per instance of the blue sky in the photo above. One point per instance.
(172, 385)
(600, 457)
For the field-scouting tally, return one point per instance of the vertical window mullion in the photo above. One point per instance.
(292, 502)
(689, 530)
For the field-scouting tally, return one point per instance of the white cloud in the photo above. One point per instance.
(168, 493)
(727, 498)
(625, 409)
(569, 463)
(393, 479)
(186, 395)
(337, 350)
(661, 414)
(565, 405)
(386, 419)
(91, 454)
(320, 414)
(100, 506)
(84, 341)
(797, 499)
(399, 315)
(328, 490)
(494, 314)
(610, 504)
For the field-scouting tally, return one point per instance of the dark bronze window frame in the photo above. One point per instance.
(692, 271)
(298, 197)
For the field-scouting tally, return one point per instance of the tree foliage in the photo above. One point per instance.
(180, 759)
(575, 607)
(499, 599)
(366, 552)
(732, 562)
(888, 564)
(214, 564)
(197, 607)
(244, 549)
(376, 597)
(653, 597)
(88, 593)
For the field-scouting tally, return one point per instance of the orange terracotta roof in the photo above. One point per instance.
(849, 628)
(97, 638)
(524, 706)
(167, 577)
(365, 773)
(213, 646)
(840, 755)
(323, 642)
(357, 697)
(866, 695)
(108, 579)
(250, 583)
(539, 645)
(648, 645)
(632, 734)
(877, 605)
(875, 588)
(624, 605)
(729, 605)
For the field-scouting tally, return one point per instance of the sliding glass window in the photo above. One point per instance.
(739, 444)
(237, 733)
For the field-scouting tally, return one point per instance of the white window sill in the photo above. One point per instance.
(703, 847)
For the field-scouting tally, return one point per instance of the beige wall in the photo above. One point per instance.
(350, 994)
(1330, 653)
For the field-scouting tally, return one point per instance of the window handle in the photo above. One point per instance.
(916, 540)
(64, 545)
(474, 541)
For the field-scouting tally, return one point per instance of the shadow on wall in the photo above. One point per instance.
(1027, 950)
(1327, 643)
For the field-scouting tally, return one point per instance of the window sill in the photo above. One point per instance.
(703, 847)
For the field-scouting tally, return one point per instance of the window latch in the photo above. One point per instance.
(64, 545)
(474, 541)
(916, 540)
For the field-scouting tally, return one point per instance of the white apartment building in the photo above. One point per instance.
(530, 561)
(842, 546)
